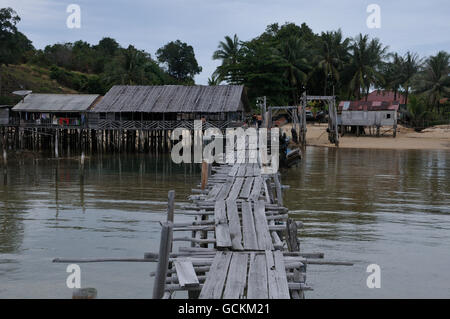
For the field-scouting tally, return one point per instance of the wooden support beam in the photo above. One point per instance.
(163, 261)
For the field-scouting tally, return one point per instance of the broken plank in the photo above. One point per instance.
(186, 273)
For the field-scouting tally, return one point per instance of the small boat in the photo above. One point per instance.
(293, 157)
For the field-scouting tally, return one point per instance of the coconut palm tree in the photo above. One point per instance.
(392, 73)
(332, 56)
(434, 81)
(417, 111)
(214, 80)
(293, 55)
(409, 67)
(228, 52)
(366, 61)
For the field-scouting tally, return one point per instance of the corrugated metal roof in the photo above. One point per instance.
(367, 106)
(385, 96)
(36, 102)
(172, 98)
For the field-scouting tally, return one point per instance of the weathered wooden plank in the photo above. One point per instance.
(215, 279)
(276, 276)
(241, 170)
(271, 276)
(234, 225)
(257, 277)
(185, 273)
(233, 171)
(236, 188)
(222, 230)
(246, 188)
(237, 277)
(214, 192)
(225, 190)
(282, 284)
(248, 227)
(261, 227)
(256, 189)
(249, 170)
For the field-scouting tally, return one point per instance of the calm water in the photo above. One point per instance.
(391, 208)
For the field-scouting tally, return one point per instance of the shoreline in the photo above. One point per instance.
(433, 138)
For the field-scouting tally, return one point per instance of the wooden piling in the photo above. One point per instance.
(163, 261)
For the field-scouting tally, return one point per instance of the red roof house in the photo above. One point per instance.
(384, 96)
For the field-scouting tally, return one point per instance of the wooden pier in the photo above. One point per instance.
(242, 243)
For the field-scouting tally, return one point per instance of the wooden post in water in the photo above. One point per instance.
(56, 143)
(163, 261)
(204, 174)
(278, 189)
(171, 206)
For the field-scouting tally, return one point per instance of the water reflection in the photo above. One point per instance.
(367, 206)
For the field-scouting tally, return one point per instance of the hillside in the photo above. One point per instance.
(27, 77)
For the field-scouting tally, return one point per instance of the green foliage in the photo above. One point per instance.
(417, 111)
(13, 44)
(434, 81)
(179, 58)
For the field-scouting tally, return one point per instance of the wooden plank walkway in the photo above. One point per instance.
(239, 240)
(244, 263)
(228, 278)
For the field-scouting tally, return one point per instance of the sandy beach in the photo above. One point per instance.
(434, 138)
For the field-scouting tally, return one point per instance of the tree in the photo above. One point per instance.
(127, 68)
(417, 111)
(408, 70)
(228, 52)
(13, 44)
(294, 56)
(214, 80)
(366, 61)
(333, 53)
(392, 73)
(180, 61)
(434, 81)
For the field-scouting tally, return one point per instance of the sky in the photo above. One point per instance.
(418, 26)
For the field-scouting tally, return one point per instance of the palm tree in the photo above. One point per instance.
(293, 55)
(366, 61)
(228, 52)
(417, 111)
(434, 81)
(334, 52)
(392, 73)
(214, 80)
(409, 68)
